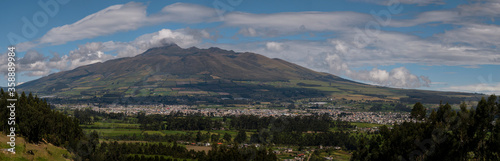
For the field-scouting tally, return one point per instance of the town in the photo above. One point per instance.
(386, 118)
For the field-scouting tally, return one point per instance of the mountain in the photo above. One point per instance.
(211, 74)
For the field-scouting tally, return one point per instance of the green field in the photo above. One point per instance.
(115, 132)
(365, 125)
(100, 125)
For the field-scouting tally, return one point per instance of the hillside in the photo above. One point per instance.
(29, 151)
(210, 74)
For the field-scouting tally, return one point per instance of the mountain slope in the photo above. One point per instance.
(173, 71)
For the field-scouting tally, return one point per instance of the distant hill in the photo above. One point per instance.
(212, 74)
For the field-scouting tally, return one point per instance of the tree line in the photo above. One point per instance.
(442, 134)
(37, 122)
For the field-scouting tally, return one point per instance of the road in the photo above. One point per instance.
(312, 151)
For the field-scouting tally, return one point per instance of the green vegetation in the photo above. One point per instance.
(28, 151)
(365, 125)
(418, 112)
(467, 134)
(36, 122)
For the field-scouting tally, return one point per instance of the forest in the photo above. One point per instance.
(442, 134)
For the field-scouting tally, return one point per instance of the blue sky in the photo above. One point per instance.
(423, 44)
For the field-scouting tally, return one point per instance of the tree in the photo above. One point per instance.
(254, 138)
(418, 112)
(241, 137)
(445, 135)
(227, 137)
(198, 136)
(214, 138)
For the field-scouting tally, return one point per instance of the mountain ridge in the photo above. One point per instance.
(173, 71)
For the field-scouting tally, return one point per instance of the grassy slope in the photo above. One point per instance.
(42, 152)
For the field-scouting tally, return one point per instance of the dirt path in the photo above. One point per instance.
(309, 157)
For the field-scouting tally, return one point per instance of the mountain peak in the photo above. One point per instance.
(171, 46)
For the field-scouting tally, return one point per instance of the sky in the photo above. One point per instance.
(418, 44)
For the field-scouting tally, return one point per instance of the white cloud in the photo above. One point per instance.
(184, 13)
(248, 31)
(418, 2)
(32, 64)
(165, 36)
(485, 88)
(275, 46)
(120, 18)
(387, 48)
(88, 54)
(290, 22)
(397, 77)
(463, 14)
(477, 35)
(428, 17)
(113, 19)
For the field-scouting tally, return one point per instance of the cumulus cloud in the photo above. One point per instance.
(181, 37)
(31, 57)
(88, 53)
(397, 77)
(275, 46)
(33, 64)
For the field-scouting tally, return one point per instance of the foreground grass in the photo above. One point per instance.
(41, 152)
